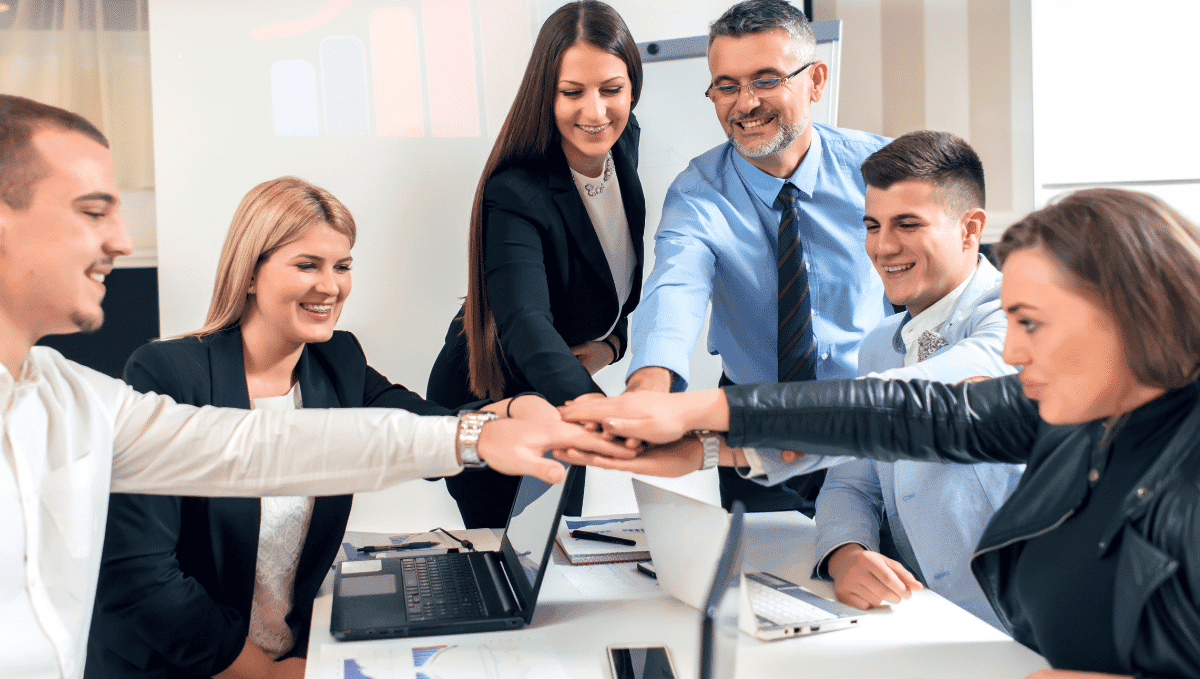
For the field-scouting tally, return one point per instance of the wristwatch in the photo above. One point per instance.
(470, 424)
(711, 440)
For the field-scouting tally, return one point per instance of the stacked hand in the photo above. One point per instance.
(660, 420)
(517, 446)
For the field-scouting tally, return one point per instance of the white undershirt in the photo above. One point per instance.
(282, 528)
(602, 198)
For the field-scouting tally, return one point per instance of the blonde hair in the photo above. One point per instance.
(271, 215)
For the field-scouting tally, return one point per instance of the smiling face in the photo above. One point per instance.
(297, 293)
(591, 105)
(55, 254)
(1068, 345)
(770, 129)
(919, 251)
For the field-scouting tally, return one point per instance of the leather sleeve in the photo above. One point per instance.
(989, 421)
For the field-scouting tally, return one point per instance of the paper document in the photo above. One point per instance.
(515, 655)
(584, 551)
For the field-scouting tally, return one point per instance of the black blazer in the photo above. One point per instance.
(548, 282)
(177, 573)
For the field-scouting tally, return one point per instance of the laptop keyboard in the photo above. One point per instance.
(440, 587)
(780, 608)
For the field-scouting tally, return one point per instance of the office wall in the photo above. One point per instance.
(962, 66)
(220, 129)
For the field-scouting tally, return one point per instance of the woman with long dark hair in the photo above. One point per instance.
(555, 246)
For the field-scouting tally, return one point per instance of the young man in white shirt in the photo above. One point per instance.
(924, 216)
(70, 434)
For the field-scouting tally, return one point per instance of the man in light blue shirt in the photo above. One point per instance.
(924, 216)
(719, 230)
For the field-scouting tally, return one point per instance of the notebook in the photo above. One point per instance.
(454, 593)
(582, 551)
(771, 607)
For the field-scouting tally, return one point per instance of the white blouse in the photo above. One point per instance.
(282, 529)
(602, 198)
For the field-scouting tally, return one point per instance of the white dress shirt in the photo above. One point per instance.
(930, 319)
(71, 435)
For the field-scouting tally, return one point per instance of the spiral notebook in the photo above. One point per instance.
(579, 552)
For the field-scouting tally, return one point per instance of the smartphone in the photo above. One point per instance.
(633, 661)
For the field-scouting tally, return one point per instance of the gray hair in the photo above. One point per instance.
(758, 16)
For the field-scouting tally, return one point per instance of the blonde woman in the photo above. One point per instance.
(211, 587)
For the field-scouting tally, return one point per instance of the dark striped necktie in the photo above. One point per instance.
(795, 340)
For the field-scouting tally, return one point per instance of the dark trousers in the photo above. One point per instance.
(797, 493)
(485, 497)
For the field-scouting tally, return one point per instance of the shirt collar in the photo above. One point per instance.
(766, 187)
(932, 318)
(9, 386)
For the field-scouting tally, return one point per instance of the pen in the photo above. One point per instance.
(371, 549)
(600, 537)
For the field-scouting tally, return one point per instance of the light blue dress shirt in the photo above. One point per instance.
(717, 240)
(936, 511)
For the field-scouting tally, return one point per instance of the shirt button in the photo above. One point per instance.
(825, 357)
(1141, 492)
(1094, 475)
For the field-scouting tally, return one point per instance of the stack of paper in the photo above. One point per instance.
(579, 551)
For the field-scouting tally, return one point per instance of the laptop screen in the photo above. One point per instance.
(719, 625)
(531, 527)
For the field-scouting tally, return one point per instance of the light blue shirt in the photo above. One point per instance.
(937, 511)
(717, 240)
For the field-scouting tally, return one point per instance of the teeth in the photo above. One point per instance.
(318, 308)
(753, 124)
(98, 277)
(898, 269)
(594, 130)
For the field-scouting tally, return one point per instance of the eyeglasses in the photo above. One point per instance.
(726, 93)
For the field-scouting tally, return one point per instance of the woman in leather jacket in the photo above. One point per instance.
(1094, 561)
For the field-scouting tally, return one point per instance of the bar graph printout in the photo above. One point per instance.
(519, 655)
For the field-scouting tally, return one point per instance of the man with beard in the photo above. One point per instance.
(768, 226)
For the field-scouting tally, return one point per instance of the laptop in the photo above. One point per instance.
(454, 593)
(771, 607)
(719, 620)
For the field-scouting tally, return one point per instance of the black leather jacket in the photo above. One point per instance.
(1156, 606)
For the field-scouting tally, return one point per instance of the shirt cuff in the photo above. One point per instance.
(754, 464)
(821, 570)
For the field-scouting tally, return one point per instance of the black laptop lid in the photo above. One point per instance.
(529, 536)
(719, 625)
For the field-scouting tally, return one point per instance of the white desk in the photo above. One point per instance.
(925, 637)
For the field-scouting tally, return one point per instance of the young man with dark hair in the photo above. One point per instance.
(70, 434)
(924, 216)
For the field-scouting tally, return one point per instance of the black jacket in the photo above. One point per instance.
(177, 573)
(548, 282)
(1156, 607)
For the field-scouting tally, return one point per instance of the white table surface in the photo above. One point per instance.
(925, 637)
